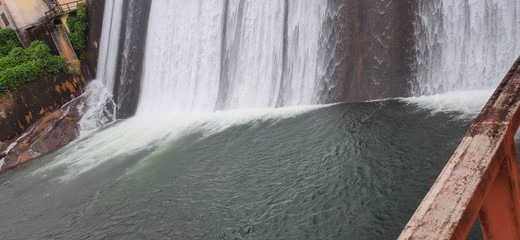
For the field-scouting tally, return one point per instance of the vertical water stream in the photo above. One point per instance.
(465, 45)
(217, 55)
(98, 108)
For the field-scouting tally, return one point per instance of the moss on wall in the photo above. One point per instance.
(77, 24)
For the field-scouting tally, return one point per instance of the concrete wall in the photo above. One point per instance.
(131, 56)
(375, 49)
(26, 12)
(28, 104)
(43, 33)
(3, 10)
(95, 12)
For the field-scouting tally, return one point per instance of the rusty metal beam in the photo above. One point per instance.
(55, 9)
(481, 167)
(500, 214)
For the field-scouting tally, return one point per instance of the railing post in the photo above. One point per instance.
(500, 213)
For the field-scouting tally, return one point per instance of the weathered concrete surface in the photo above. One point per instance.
(64, 46)
(26, 12)
(10, 21)
(375, 49)
(95, 10)
(481, 176)
(61, 2)
(131, 55)
(33, 100)
(43, 33)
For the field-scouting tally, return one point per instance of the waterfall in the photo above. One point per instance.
(465, 45)
(209, 55)
(99, 108)
(109, 46)
(213, 55)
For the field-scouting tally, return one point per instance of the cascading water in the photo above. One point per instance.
(98, 108)
(109, 43)
(215, 55)
(465, 45)
(208, 56)
(218, 55)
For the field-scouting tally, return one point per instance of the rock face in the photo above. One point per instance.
(374, 48)
(52, 132)
(35, 110)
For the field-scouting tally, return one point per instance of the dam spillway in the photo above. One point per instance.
(233, 139)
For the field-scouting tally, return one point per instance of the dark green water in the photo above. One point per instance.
(348, 171)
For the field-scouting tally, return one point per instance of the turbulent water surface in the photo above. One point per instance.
(351, 171)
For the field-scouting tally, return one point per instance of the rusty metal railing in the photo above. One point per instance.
(482, 178)
(56, 10)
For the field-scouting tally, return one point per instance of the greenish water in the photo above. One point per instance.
(347, 171)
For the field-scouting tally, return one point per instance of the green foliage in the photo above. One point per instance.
(8, 41)
(78, 29)
(75, 67)
(26, 65)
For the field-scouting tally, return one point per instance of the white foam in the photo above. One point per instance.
(467, 103)
(98, 109)
(214, 55)
(13, 144)
(148, 132)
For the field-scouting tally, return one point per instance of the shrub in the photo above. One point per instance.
(78, 29)
(8, 41)
(75, 67)
(26, 65)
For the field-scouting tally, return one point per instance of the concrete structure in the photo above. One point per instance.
(63, 2)
(482, 178)
(6, 21)
(25, 15)
(22, 13)
(62, 7)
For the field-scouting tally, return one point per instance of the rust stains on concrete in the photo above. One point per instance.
(28, 117)
(33, 100)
